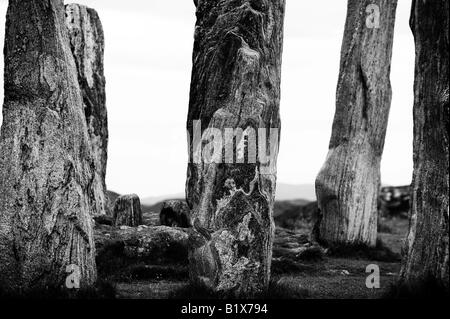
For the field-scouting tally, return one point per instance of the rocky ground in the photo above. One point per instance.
(150, 261)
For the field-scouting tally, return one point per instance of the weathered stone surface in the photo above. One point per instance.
(46, 201)
(175, 213)
(127, 211)
(235, 84)
(150, 245)
(87, 45)
(347, 185)
(294, 245)
(427, 244)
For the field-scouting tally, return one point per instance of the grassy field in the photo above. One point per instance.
(325, 274)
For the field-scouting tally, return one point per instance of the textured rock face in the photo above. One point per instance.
(235, 84)
(45, 161)
(347, 185)
(175, 213)
(127, 211)
(427, 244)
(293, 245)
(87, 45)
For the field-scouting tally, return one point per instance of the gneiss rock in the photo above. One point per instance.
(46, 202)
(175, 213)
(87, 45)
(347, 185)
(127, 211)
(235, 84)
(427, 244)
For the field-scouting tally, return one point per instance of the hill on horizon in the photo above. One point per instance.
(284, 192)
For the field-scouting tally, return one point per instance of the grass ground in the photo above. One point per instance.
(330, 277)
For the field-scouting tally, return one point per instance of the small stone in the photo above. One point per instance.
(127, 211)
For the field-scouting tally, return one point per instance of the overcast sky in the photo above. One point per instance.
(148, 68)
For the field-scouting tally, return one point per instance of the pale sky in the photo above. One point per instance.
(148, 67)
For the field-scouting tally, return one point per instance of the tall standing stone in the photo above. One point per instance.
(45, 159)
(87, 44)
(235, 88)
(427, 247)
(347, 185)
(127, 211)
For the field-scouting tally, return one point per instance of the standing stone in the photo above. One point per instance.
(87, 44)
(45, 159)
(347, 185)
(127, 211)
(235, 88)
(427, 248)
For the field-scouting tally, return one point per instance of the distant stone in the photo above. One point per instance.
(175, 213)
(348, 182)
(127, 211)
(394, 201)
